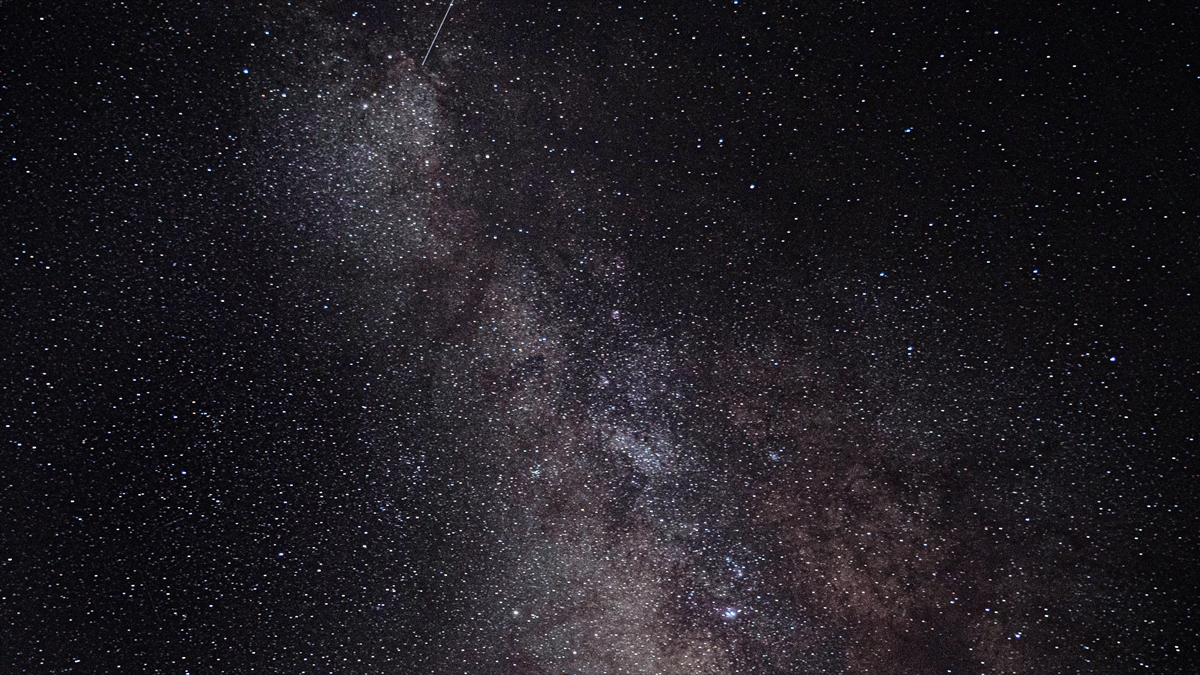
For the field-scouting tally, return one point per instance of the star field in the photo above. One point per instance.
(619, 337)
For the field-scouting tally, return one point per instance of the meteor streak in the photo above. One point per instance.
(439, 32)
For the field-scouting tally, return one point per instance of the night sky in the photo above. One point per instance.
(619, 337)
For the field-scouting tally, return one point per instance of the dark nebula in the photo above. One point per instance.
(620, 337)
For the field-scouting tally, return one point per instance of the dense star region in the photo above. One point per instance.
(611, 337)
